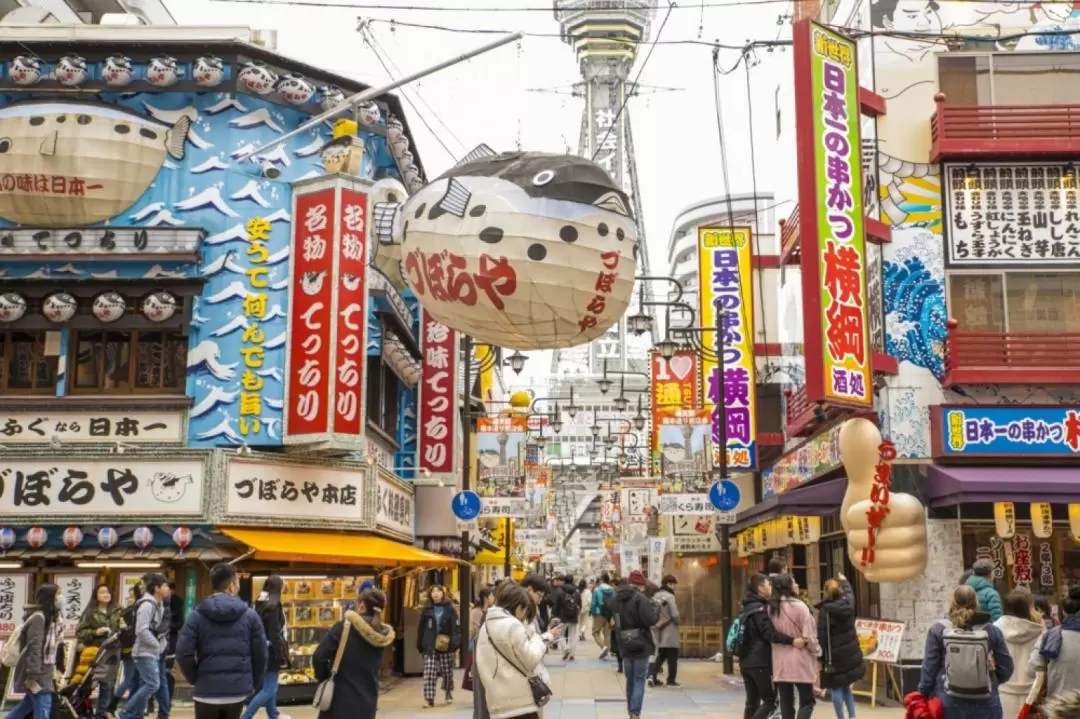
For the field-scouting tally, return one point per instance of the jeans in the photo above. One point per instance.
(570, 636)
(969, 710)
(218, 711)
(266, 698)
(840, 697)
(163, 693)
(636, 670)
(671, 656)
(39, 705)
(104, 699)
(760, 693)
(128, 683)
(787, 690)
(148, 669)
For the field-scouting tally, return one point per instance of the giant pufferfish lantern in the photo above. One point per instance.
(524, 250)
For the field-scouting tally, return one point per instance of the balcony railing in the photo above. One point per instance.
(798, 413)
(789, 238)
(972, 132)
(1011, 357)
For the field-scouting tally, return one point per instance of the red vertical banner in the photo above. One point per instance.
(308, 390)
(674, 385)
(351, 314)
(438, 395)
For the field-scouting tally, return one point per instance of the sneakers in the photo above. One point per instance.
(449, 697)
(604, 652)
(673, 684)
(566, 655)
(653, 682)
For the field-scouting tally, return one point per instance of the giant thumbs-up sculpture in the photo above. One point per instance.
(886, 531)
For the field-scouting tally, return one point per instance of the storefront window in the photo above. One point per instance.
(135, 361)
(26, 368)
(1010, 78)
(1044, 566)
(382, 398)
(1040, 302)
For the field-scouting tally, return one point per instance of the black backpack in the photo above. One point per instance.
(573, 603)
(127, 634)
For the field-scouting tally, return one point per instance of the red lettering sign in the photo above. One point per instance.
(879, 497)
(351, 314)
(438, 389)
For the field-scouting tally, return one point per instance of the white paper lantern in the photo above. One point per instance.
(109, 306)
(522, 250)
(368, 114)
(12, 307)
(59, 307)
(159, 307)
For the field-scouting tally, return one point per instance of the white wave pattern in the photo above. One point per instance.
(110, 275)
(311, 148)
(278, 257)
(236, 323)
(234, 291)
(309, 174)
(256, 118)
(170, 165)
(164, 217)
(207, 355)
(214, 163)
(236, 233)
(250, 191)
(226, 103)
(278, 156)
(194, 138)
(222, 264)
(272, 372)
(170, 117)
(243, 151)
(159, 272)
(271, 426)
(275, 403)
(280, 284)
(281, 215)
(223, 430)
(275, 342)
(210, 197)
(275, 312)
(213, 400)
(147, 211)
(70, 269)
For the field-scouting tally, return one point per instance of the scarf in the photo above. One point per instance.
(1051, 645)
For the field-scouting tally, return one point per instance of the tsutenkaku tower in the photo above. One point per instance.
(606, 36)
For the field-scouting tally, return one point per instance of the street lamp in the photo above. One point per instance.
(609, 440)
(571, 410)
(639, 418)
(666, 348)
(595, 429)
(604, 384)
(517, 361)
(556, 425)
(622, 402)
(639, 324)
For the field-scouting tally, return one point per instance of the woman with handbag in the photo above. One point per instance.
(438, 637)
(508, 656)
(268, 607)
(348, 659)
(842, 658)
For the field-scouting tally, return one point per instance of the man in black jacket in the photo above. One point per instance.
(566, 606)
(634, 618)
(755, 652)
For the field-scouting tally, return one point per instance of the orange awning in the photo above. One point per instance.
(328, 548)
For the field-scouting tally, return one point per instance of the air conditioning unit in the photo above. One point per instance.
(264, 38)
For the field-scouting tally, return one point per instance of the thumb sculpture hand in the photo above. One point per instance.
(859, 441)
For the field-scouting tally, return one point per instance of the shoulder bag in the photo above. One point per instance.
(541, 692)
(324, 693)
(631, 641)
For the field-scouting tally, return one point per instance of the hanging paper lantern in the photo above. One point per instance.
(1004, 519)
(521, 250)
(12, 307)
(36, 536)
(107, 537)
(59, 307)
(108, 306)
(159, 307)
(142, 537)
(7, 539)
(1042, 520)
(385, 199)
(182, 537)
(72, 537)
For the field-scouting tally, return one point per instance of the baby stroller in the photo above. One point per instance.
(75, 700)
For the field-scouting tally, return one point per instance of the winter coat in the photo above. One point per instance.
(789, 664)
(222, 648)
(506, 656)
(1021, 636)
(448, 625)
(667, 637)
(272, 617)
(836, 629)
(760, 634)
(148, 628)
(600, 597)
(33, 664)
(356, 686)
(586, 603)
(634, 611)
(108, 664)
(932, 679)
(989, 599)
(1063, 672)
(562, 607)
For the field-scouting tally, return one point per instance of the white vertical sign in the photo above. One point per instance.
(657, 545)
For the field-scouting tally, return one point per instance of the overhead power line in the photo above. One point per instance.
(640, 7)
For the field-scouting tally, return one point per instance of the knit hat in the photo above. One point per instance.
(636, 578)
(983, 568)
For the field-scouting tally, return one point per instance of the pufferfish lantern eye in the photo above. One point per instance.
(5, 145)
(543, 178)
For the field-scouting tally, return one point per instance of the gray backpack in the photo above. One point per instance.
(968, 663)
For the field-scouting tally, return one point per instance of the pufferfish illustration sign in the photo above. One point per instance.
(73, 163)
(521, 249)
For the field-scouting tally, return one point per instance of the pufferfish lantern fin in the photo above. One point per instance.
(478, 153)
(387, 196)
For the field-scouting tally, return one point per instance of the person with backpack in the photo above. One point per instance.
(600, 624)
(982, 581)
(667, 633)
(100, 621)
(842, 659)
(1057, 656)
(148, 645)
(130, 677)
(750, 638)
(36, 655)
(566, 605)
(634, 617)
(965, 660)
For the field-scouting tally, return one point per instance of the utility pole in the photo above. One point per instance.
(465, 570)
(725, 530)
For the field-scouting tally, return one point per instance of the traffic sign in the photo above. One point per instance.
(466, 505)
(724, 495)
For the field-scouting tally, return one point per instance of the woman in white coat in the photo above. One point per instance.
(507, 654)
(1022, 627)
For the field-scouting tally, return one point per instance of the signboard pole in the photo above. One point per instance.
(465, 568)
(725, 529)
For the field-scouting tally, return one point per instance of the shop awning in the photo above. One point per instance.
(329, 548)
(813, 500)
(950, 486)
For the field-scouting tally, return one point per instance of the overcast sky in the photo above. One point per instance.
(488, 99)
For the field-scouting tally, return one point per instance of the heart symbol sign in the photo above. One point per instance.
(680, 366)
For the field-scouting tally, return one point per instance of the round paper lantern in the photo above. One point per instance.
(159, 306)
(12, 307)
(521, 250)
(59, 307)
(72, 537)
(142, 537)
(107, 537)
(182, 537)
(36, 536)
(7, 539)
(109, 306)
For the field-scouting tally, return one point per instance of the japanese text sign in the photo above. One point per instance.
(880, 640)
(115, 242)
(115, 487)
(692, 533)
(327, 315)
(815, 457)
(438, 396)
(253, 340)
(259, 490)
(129, 427)
(77, 590)
(1005, 431)
(725, 280)
(674, 391)
(501, 466)
(836, 331)
(1012, 214)
(14, 595)
(394, 506)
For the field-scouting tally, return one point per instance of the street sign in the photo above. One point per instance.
(724, 518)
(466, 505)
(724, 495)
